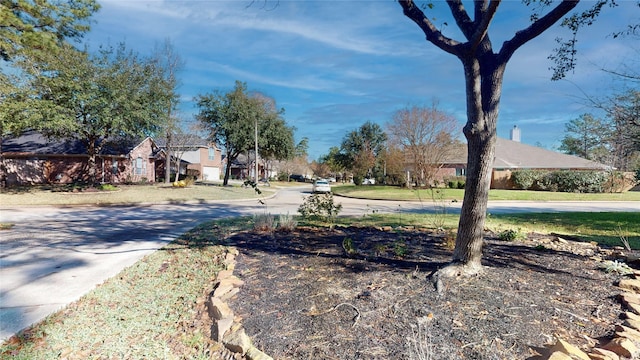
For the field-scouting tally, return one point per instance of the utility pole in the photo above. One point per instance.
(256, 149)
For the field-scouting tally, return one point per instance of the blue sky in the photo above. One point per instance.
(333, 65)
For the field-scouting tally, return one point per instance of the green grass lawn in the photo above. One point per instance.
(397, 193)
(127, 194)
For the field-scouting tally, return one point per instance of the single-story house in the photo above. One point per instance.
(33, 158)
(511, 155)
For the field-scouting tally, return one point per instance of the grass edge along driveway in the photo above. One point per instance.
(440, 194)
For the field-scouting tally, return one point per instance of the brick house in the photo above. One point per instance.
(513, 155)
(197, 156)
(33, 158)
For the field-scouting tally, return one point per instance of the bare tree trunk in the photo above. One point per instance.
(3, 166)
(480, 155)
(91, 150)
(167, 160)
(227, 171)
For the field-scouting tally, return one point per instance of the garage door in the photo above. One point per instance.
(210, 173)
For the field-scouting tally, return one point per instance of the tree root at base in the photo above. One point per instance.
(454, 271)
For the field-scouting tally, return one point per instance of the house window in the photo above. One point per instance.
(461, 172)
(114, 166)
(212, 153)
(139, 166)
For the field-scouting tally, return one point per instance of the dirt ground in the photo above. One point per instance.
(305, 297)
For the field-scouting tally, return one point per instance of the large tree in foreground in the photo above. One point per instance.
(484, 71)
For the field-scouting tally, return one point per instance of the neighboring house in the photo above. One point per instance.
(35, 159)
(243, 167)
(198, 157)
(512, 155)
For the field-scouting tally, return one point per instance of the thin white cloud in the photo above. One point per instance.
(307, 83)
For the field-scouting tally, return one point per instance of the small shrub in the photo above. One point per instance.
(456, 182)
(400, 248)
(510, 235)
(450, 240)
(264, 222)
(107, 187)
(379, 249)
(189, 180)
(616, 266)
(347, 245)
(320, 207)
(287, 223)
(358, 179)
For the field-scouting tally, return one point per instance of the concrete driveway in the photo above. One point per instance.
(54, 255)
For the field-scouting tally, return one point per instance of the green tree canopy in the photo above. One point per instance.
(587, 137)
(231, 118)
(362, 147)
(32, 25)
(96, 98)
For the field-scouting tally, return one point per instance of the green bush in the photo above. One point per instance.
(107, 187)
(561, 180)
(457, 182)
(578, 181)
(528, 179)
(510, 235)
(319, 207)
(358, 179)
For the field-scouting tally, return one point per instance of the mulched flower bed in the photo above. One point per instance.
(363, 293)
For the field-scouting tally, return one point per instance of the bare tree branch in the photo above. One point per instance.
(536, 28)
(433, 35)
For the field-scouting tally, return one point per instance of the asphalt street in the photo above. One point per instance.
(54, 255)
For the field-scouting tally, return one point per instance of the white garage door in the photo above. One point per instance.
(210, 173)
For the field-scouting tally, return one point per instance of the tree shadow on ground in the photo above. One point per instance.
(410, 250)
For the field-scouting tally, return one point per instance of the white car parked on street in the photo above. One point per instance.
(321, 186)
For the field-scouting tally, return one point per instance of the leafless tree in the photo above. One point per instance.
(168, 64)
(426, 137)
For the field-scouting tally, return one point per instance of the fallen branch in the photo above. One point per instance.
(572, 314)
(355, 319)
